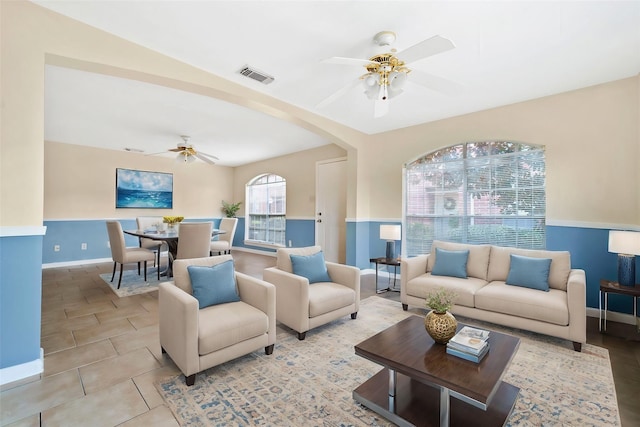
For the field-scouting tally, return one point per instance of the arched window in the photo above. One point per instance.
(266, 202)
(477, 192)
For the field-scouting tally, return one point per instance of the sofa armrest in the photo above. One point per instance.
(178, 323)
(292, 297)
(577, 304)
(261, 295)
(346, 275)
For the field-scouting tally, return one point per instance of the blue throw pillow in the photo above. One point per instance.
(529, 272)
(213, 285)
(450, 263)
(311, 266)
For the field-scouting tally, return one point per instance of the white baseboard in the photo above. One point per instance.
(614, 316)
(19, 373)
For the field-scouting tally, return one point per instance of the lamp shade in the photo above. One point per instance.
(624, 242)
(390, 232)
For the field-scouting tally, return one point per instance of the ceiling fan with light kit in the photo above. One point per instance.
(188, 154)
(388, 72)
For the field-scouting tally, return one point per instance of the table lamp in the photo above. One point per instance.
(390, 233)
(627, 245)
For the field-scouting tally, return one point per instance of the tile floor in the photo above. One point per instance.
(102, 355)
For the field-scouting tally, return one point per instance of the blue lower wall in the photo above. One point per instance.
(588, 247)
(20, 299)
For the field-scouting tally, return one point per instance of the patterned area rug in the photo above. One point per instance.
(310, 382)
(132, 284)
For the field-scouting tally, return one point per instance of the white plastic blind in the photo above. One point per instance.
(267, 208)
(489, 192)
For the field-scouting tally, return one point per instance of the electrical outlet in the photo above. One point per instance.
(108, 244)
(83, 246)
(56, 248)
(290, 244)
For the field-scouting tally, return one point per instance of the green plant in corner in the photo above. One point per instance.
(440, 300)
(230, 209)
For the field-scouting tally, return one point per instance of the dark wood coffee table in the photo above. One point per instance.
(419, 377)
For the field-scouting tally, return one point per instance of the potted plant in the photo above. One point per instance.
(230, 209)
(439, 322)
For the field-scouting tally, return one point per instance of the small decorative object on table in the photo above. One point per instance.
(171, 221)
(470, 344)
(439, 323)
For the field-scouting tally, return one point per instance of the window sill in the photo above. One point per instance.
(262, 244)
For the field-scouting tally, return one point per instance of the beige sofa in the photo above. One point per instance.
(484, 295)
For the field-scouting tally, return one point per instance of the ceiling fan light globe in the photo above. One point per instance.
(397, 79)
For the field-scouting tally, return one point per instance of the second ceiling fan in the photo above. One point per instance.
(387, 72)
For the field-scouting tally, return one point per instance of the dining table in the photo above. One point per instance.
(170, 237)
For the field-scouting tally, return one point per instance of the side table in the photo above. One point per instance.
(395, 262)
(608, 287)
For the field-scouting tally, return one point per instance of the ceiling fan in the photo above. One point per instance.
(188, 154)
(387, 72)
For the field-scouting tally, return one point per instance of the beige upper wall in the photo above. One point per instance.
(80, 183)
(591, 135)
(299, 169)
(31, 36)
(592, 151)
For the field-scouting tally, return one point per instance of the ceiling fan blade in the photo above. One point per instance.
(380, 108)
(436, 83)
(208, 155)
(338, 94)
(347, 61)
(176, 150)
(425, 48)
(205, 159)
(155, 154)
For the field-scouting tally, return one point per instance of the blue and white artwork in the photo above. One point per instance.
(142, 189)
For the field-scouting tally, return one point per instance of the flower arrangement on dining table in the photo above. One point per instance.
(172, 220)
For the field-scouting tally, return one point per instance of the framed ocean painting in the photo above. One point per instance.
(143, 189)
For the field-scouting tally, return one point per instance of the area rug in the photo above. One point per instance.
(132, 284)
(310, 382)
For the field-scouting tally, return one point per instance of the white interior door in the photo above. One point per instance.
(331, 209)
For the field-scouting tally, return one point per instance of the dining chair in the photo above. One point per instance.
(145, 223)
(225, 240)
(194, 239)
(123, 255)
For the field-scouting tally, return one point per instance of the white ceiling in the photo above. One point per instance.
(506, 52)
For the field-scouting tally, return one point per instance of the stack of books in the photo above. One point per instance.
(469, 343)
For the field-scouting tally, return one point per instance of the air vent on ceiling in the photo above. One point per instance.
(254, 74)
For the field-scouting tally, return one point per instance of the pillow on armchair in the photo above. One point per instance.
(310, 266)
(214, 285)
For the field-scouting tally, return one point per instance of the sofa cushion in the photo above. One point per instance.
(450, 263)
(310, 266)
(221, 326)
(213, 285)
(529, 272)
(477, 262)
(421, 286)
(558, 272)
(325, 297)
(550, 307)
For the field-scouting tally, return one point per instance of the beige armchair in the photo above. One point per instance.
(303, 306)
(198, 339)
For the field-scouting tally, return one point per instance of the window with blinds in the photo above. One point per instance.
(266, 200)
(478, 192)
